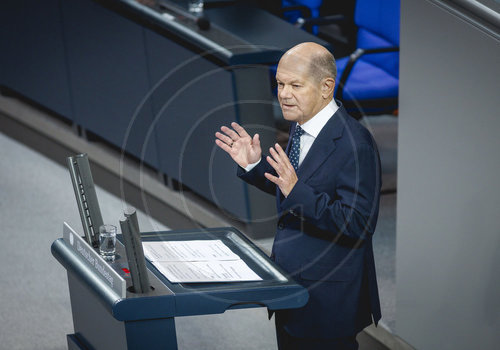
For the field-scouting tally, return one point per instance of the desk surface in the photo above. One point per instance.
(238, 33)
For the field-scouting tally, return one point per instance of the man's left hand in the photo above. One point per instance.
(287, 178)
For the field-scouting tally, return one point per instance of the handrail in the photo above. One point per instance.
(481, 9)
(483, 14)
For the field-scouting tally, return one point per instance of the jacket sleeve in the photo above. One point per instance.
(256, 176)
(352, 207)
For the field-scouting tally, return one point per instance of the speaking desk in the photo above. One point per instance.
(108, 315)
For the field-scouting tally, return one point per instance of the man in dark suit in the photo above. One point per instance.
(327, 186)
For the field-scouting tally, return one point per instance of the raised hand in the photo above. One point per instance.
(287, 178)
(239, 145)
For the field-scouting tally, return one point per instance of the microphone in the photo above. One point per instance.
(203, 23)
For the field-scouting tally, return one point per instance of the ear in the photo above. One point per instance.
(327, 86)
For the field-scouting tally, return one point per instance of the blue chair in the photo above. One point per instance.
(368, 79)
(295, 11)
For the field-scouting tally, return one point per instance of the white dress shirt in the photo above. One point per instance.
(311, 129)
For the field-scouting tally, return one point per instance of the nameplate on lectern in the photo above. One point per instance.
(94, 261)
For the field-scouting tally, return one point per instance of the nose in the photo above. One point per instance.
(285, 92)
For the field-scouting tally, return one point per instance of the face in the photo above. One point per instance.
(299, 94)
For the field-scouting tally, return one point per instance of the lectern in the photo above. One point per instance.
(107, 314)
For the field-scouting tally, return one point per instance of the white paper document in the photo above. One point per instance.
(198, 261)
(207, 271)
(203, 250)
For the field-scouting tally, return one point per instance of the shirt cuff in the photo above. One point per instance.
(251, 166)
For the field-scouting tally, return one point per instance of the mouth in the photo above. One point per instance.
(287, 106)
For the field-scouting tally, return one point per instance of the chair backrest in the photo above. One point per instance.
(378, 26)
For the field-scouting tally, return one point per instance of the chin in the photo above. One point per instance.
(291, 117)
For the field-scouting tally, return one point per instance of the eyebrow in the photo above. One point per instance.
(295, 81)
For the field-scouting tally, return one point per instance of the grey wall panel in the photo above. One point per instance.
(108, 72)
(32, 58)
(192, 99)
(448, 243)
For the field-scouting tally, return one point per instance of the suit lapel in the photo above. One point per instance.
(324, 144)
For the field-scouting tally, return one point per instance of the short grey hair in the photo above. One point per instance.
(323, 66)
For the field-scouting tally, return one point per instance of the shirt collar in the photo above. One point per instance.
(314, 125)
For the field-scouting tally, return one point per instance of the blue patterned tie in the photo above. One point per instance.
(295, 148)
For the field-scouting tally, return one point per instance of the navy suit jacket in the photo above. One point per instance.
(325, 228)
